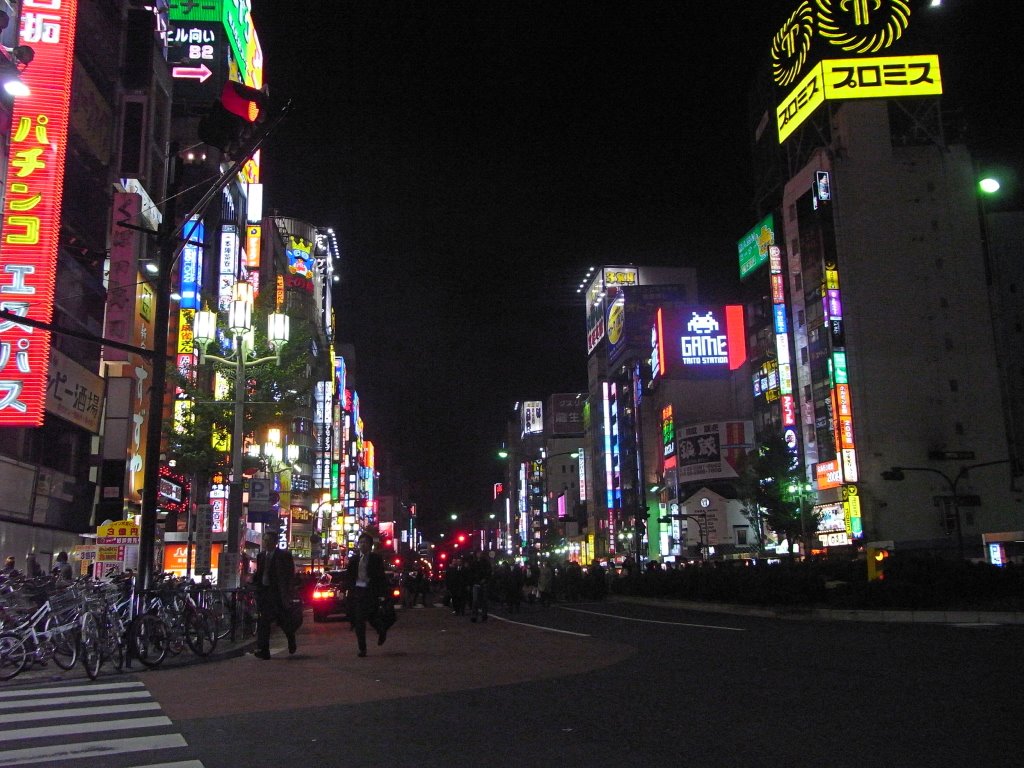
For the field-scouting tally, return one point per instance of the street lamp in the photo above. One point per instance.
(897, 474)
(802, 489)
(240, 324)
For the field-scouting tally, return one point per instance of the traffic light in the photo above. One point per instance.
(461, 538)
(877, 559)
(230, 123)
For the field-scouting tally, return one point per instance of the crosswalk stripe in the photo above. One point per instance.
(115, 709)
(24, 693)
(51, 753)
(31, 708)
(100, 726)
(5, 705)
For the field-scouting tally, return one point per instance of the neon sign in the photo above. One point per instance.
(32, 204)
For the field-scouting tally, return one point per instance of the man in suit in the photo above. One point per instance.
(368, 584)
(275, 586)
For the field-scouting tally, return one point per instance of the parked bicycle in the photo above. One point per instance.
(104, 627)
(48, 632)
(168, 619)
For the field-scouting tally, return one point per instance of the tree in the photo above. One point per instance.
(765, 480)
(274, 394)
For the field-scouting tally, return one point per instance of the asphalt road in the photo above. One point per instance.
(585, 684)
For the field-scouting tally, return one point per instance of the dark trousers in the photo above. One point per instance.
(479, 605)
(268, 600)
(363, 608)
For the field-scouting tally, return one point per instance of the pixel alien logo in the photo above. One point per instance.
(698, 324)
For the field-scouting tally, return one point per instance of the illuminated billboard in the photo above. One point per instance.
(875, 78)
(753, 246)
(32, 205)
(602, 294)
(810, 56)
(533, 417)
(703, 341)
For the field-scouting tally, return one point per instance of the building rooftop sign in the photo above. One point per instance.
(811, 54)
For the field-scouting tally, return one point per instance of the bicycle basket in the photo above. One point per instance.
(64, 601)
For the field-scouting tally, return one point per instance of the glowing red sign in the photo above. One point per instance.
(31, 214)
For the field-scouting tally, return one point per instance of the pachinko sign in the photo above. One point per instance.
(32, 203)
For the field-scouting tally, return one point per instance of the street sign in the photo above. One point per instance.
(259, 494)
(204, 540)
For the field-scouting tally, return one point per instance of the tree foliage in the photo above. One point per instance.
(768, 481)
(275, 391)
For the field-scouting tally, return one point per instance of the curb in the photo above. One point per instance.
(833, 614)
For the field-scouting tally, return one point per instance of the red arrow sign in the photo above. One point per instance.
(201, 73)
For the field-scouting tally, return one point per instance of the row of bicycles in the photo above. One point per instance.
(107, 621)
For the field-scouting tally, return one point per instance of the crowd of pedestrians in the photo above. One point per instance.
(471, 584)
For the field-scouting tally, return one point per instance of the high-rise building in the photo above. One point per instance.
(865, 282)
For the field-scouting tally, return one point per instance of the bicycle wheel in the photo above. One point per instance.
(117, 641)
(147, 639)
(92, 647)
(221, 615)
(250, 615)
(63, 642)
(200, 632)
(13, 657)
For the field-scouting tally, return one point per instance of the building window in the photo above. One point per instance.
(741, 536)
(801, 318)
(954, 385)
(803, 355)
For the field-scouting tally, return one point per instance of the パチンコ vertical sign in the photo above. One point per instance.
(31, 210)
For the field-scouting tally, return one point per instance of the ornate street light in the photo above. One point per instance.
(204, 330)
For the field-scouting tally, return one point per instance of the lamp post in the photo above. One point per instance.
(802, 489)
(897, 474)
(240, 326)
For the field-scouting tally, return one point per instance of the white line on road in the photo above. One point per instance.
(59, 690)
(36, 755)
(655, 621)
(76, 700)
(179, 764)
(537, 626)
(94, 727)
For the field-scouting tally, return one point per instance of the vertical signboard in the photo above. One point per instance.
(32, 204)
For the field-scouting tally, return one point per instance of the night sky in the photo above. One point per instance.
(475, 158)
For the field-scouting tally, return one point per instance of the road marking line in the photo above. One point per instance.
(22, 693)
(537, 626)
(36, 755)
(116, 709)
(655, 621)
(179, 764)
(77, 700)
(99, 726)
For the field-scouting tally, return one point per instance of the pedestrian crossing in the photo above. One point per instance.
(85, 724)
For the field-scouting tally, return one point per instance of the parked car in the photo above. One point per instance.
(330, 596)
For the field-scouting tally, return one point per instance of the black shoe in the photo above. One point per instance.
(291, 644)
(262, 655)
(382, 636)
(361, 653)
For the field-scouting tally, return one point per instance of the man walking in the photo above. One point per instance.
(275, 586)
(365, 574)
